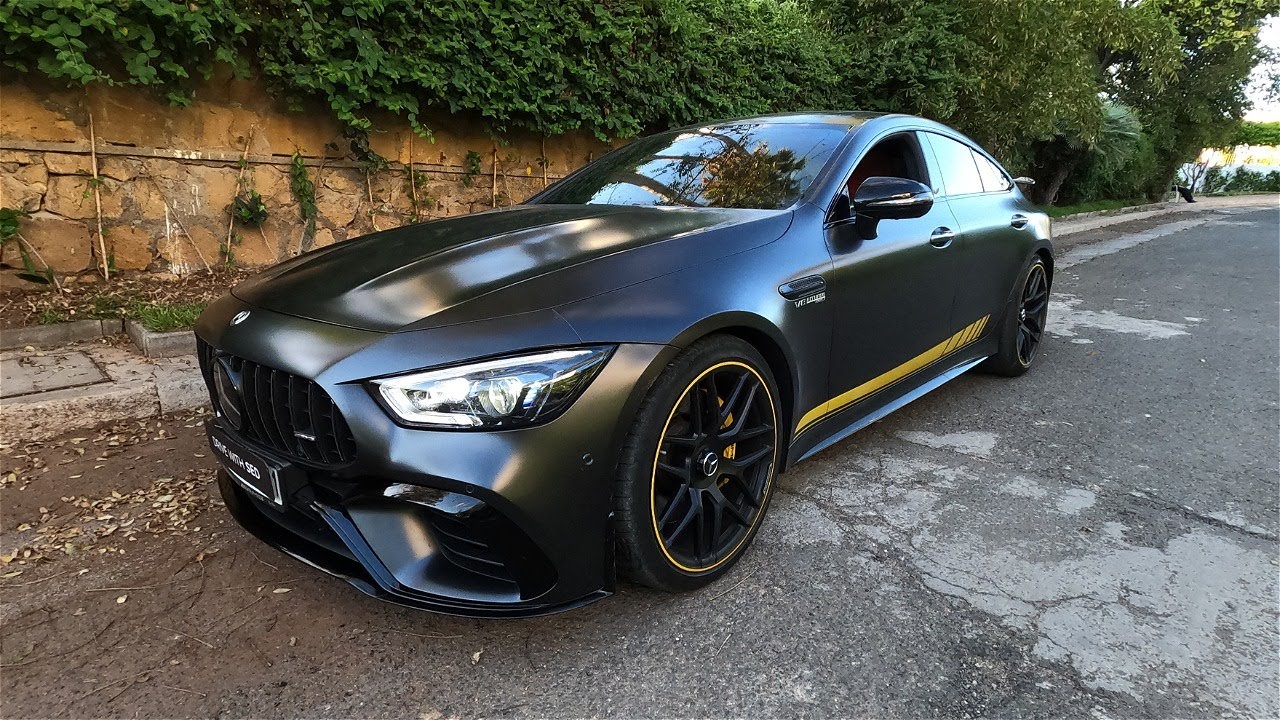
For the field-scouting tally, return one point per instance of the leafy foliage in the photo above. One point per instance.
(52, 316)
(249, 208)
(717, 59)
(1201, 104)
(929, 72)
(358, 139)
(1241, 180)
(142, 42)
(1033, 80)
(10, 222)
(304, 191)
(1257, 133)
(1118, 164)
(471, 166)
(413, 180)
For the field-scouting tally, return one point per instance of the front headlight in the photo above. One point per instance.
(510, 392)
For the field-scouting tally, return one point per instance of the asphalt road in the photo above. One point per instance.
(1095, 539)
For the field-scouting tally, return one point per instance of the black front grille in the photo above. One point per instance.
(287, 413)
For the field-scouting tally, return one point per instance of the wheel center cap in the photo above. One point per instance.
(709, 464)
(1022, 314)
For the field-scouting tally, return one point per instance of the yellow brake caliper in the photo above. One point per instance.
(729, 452)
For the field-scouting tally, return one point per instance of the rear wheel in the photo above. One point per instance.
(699, 466)
(1022, 328)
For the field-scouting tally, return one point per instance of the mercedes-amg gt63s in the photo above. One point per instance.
(506, 413)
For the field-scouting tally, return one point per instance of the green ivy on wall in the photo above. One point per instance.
(304, 191)
(156, 43)
(613, 68)
(1026, 78)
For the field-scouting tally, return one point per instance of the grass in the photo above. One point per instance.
(1094, 206)
(52, 316)
(105, 307)
(98, 307)
(153, 315)
(166, 317)
(166, 302)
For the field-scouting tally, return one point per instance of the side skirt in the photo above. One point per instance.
(884, 410)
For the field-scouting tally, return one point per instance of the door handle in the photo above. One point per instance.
(942, 237)
(801, 287)
(1019, 221)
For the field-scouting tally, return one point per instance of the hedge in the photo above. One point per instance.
(1025, 77)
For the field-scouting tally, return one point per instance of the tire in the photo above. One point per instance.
(1021, 330)
(667, 513)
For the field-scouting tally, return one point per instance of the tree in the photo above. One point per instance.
(910, 56)
(1256, 133)
(1025, 78)
(1201, 105)
(1092, 38)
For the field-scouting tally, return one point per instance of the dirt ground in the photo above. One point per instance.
(88, 297)
(198, 610)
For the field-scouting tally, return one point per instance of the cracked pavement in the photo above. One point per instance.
(1117, 504)
(1096, 539)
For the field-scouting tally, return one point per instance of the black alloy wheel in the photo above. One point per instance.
(698, 468)
(1022, 324)
(1032, 313)
(713, 467)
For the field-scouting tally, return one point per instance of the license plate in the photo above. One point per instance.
(259, 476)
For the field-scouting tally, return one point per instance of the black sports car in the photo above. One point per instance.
(499, 414)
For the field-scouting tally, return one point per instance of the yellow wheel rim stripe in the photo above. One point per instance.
(653, 478)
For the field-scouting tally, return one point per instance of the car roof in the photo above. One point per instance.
(849, 119)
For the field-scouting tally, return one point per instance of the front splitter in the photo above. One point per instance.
(362, 570)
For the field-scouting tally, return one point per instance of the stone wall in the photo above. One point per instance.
(169, 174)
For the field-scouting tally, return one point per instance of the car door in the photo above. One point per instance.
(891, 290)
(989, 218)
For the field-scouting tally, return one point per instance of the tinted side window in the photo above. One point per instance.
(993, 179)
(960, 174)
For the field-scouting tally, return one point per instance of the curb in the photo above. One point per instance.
(178, 343)
(1081, 223)
(59, 333)
(1119, 211)
(135, 388)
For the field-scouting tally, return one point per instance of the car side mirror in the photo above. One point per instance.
(1024, 182)
(892, 198)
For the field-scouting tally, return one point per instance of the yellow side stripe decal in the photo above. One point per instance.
(875, 384)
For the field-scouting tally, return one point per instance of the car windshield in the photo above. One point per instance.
(734, 165)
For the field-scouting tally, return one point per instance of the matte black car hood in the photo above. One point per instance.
(499, 263)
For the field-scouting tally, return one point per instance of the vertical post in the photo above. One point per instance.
(373, 213)
(495, 174)
(97, 198)
(413, 180)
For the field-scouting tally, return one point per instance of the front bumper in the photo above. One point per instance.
(325, 537)
(498, 524)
